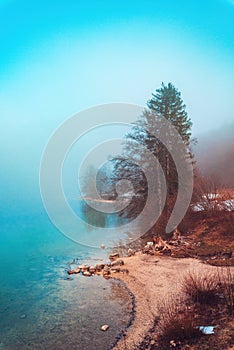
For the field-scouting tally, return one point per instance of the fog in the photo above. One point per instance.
(214, 153)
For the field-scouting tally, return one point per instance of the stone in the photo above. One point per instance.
(99, 267)
(173, 343)
(148, 248)
(117, 263)
(115, 269)
(71, 272)
(114, 256)
(23, 316)
(106, 271)
(92, 269)
(84, 268)
(86, 273)
(107, 277)
(105, 327)
(130, 252)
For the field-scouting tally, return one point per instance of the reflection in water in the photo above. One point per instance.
(92, 217)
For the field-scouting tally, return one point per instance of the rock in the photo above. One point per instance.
(115, 269)
(107, 277)
(114, 256)
(71, 272)
(92, 269)
(130, 252)
(106, 271)
(99, 267)
(117, 263)
(86, 273)
(84, 268)
(148, 248)
(23, 316)
(172, 344)
(105, 327)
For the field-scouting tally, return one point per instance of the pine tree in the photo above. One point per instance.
(167, 104)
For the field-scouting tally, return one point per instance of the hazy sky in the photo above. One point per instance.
(58, 57)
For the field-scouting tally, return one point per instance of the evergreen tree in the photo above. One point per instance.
(165, 103)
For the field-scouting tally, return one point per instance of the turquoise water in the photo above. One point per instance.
(39, 307)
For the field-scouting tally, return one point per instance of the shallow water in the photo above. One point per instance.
(39, 307)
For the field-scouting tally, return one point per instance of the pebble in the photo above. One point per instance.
(87, 273)
(105, 327)
(23, 316)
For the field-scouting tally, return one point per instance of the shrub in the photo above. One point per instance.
(226, 278)
(202, 289)
(176, 324)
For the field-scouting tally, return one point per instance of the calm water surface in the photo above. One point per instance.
(39, 307)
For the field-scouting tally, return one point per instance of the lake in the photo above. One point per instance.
(40, 308)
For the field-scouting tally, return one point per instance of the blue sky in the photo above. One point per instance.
(59, 57)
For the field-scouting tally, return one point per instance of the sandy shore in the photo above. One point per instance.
(152, 279)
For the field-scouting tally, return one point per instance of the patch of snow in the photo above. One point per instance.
(198, 207)
(210, 196)
(207, 329)
(227, 205)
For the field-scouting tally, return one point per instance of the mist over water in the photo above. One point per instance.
(39, 307)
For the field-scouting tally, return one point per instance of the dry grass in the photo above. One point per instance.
(226, 278)
(208, 301)
(202, 289)
(211, 288)
(177, 323)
